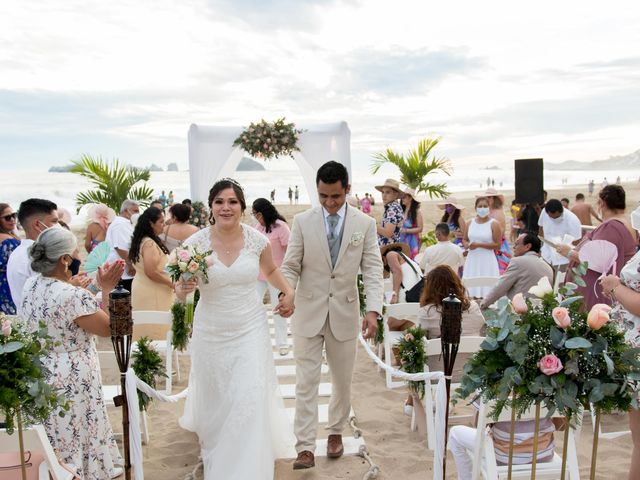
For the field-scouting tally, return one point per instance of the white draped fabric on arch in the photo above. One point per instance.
(213, 156)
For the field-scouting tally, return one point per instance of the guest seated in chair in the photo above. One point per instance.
(405, 273)
(444, 252)
(523, 272)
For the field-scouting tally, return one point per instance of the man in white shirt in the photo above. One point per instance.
(35, 215)
(442, 253)
(555, 222)
(118, 238)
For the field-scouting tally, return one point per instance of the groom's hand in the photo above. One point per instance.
(370, 325)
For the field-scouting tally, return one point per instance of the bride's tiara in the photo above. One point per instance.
(231, 180)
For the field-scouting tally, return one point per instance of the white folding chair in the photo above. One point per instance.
(433, 347)
(35, 440)
(165, 319)
(108, 360)
(484, 458)
(397, 310)
(477, 282)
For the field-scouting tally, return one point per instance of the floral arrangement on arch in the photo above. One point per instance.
(25, 396)
(199, 215)
(269, 140)
(550, 350)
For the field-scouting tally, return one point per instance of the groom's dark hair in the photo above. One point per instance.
(332, 172)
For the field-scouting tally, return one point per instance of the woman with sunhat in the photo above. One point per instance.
(412, 226)
(496, 201)
(393, 217)
(453, 217)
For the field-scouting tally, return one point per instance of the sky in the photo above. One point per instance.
(495, 80)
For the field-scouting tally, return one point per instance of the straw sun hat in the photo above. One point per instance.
(450, 201)
(491, 192)
(390, 183)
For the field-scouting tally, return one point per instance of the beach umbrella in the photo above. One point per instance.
(97, 257)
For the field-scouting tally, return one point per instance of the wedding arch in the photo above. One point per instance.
(212, 154)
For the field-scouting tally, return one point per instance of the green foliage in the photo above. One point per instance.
(269, 140)
(598, 367)
(147, 364)
(416, 166)
(413, 356)
(428, 239)
(23, 377)
(199, 215)
(180, 328)
(114, 182)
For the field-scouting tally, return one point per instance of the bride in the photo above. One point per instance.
(233, 402)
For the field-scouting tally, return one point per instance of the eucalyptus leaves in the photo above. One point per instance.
(552, 351)
(269, 140)
(23, 387)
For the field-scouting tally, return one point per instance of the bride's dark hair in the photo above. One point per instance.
(221, 185)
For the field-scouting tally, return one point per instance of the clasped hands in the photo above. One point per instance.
(609, 283)
(285, 306)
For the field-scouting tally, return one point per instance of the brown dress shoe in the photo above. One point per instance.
(305, 460)
(334, 446)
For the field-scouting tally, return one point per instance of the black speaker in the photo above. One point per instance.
(529, 180)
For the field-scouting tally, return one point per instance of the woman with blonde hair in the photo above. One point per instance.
(101, 217)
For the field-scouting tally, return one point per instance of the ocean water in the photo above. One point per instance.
(63, 187)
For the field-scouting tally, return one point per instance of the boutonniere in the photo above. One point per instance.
(356, 239)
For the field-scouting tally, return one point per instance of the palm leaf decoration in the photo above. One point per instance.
(114, 182)
(416, 166)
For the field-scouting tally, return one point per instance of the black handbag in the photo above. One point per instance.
(413, 294)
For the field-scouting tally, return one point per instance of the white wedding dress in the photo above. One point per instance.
(233, 402)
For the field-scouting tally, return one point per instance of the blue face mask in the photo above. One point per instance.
(482, 211)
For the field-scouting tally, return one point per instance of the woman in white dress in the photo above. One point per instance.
(233, 402)
(481, 238)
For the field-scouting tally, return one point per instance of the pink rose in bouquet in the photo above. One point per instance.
(561, 317)
(6, 327)
(550, 364)
(519, 304)
(598, 316)
(192, 267)
(408, 337)
(183, 255)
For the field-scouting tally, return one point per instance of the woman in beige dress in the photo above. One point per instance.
(152, 286)
(178, 228)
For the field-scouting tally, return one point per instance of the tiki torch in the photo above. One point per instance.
(121, 323)
(450, 329)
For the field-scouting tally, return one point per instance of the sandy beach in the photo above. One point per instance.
(399, 452)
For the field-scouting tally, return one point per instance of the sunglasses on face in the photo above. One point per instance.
(11, 216)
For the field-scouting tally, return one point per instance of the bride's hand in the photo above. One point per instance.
(285, 305)
(185, 287)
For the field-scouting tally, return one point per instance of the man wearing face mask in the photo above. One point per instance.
(118, 238)
(555, 222)
(35, 215)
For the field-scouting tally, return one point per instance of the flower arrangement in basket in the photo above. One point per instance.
(269, 140)
(413, 356)
(550, 351)
(25, 396)
(188, 262)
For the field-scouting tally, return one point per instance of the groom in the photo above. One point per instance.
(327, 247)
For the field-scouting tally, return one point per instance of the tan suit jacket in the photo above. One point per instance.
(522, 273)
(322, 290)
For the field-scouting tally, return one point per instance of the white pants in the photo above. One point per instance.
(461, 442)
(280, 323)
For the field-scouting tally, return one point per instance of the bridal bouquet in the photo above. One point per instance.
(550, 350)
(188, 262)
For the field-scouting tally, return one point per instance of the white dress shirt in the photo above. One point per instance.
(119, 236)
(341, 213)
(18, 270)
(442, 253)
(555, 229)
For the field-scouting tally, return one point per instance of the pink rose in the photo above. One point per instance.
(184, 255)
(193, 267)
(561, 317)
(409, 338)
(598, 316)
(550, 364)
(6, 327)
(210, 261)
(519, 304)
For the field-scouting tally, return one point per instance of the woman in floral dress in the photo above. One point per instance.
(8, 242)
(72, 315)
(389, 227)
